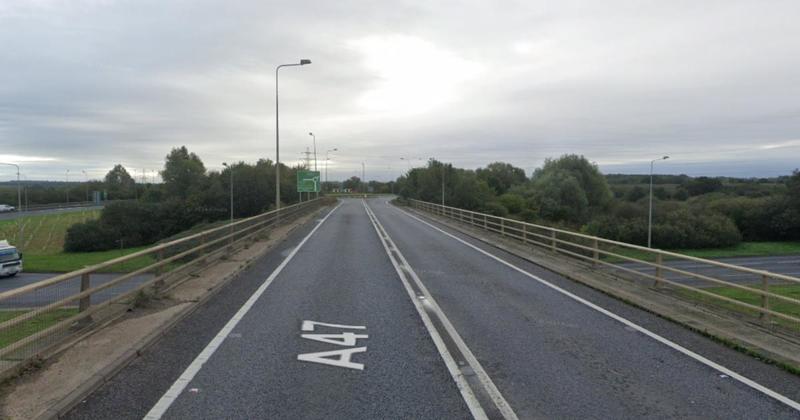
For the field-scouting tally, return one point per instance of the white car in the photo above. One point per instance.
(4, 208)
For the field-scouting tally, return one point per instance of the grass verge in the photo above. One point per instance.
(788, 308)
(744, 249)
(31, 326)
(64, 262)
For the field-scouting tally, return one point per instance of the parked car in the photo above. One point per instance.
(4, 208)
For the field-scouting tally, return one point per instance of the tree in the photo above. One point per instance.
(119, 183)
(565, 189)
(703, 185)
(501, 176)
(183, 174)
(353, 184)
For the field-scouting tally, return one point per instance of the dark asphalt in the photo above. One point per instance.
(50, 294)
(786, 265)
(553, 357)
(14, 214)
(549, 355)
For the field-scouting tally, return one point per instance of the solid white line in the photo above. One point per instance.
(749, 382)
(466, 391)
(180, 384)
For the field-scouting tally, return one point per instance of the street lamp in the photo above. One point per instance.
(67, 186)
(650, 213)
(19, 203)
(302, 62)
(315, 149)
(230, 169)
(326, 162)
(86, 178)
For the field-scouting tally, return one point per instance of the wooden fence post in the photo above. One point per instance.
(86, 284)
(764, 298)
(595, 252)
(659, 269)
(553, 243)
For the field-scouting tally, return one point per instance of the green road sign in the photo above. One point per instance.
(307, 181)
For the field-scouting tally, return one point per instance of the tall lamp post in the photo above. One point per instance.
(650, 212)
(302, 62)
(230, 169)
(19, 202)
(86, 178)
(326, 162)
(315, 155)
(67, 186)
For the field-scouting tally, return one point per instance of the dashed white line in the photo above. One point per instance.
(425, 302)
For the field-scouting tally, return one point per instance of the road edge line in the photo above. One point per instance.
(169, 397)
(663, 340)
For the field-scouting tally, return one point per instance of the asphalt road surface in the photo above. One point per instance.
(786, 265)
(373, 313)
(14, 215)
(50, 294)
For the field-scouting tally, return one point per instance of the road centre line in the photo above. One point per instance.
(180, 384)
(424, 303)
(722, 369)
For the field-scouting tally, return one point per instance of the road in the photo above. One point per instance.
(50, 294)
(14, 215)
(428, 324)
(787, 265)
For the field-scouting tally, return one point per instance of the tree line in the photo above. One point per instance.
(189, 195)
(571, 192)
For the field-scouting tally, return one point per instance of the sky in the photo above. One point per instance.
(86, 84)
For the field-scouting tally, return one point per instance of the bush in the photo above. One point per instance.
(495, 209)
(513, 202)
(89, 236)
(678, 229)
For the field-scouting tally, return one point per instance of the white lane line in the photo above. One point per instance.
(177, 388)
(402, 267)
(749, 382)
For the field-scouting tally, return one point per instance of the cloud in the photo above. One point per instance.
(93, 83)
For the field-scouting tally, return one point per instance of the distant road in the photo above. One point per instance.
(787, 265)
(14, 215)
(70, 287)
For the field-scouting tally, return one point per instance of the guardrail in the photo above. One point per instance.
(39, 315)
(644, 263)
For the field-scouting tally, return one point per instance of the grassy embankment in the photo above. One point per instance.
(43, 242)
(745, 249)
(31, 326)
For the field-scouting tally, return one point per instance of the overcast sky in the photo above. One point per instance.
(85, 84)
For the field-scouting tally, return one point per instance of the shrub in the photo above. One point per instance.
(91, 235)
(677, 229)
(495, 209)
(513, 202)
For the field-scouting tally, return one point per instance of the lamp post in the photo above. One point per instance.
(315, 149)
(230, 169)
(19, 203)
(67, 186)
(315, 156)
(650, 212)
(277, 134)
(86, 178)
(326, 162)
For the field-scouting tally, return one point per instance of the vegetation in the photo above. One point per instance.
(190, 195)
(689, 213)
(31, 326)
(777, 305)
